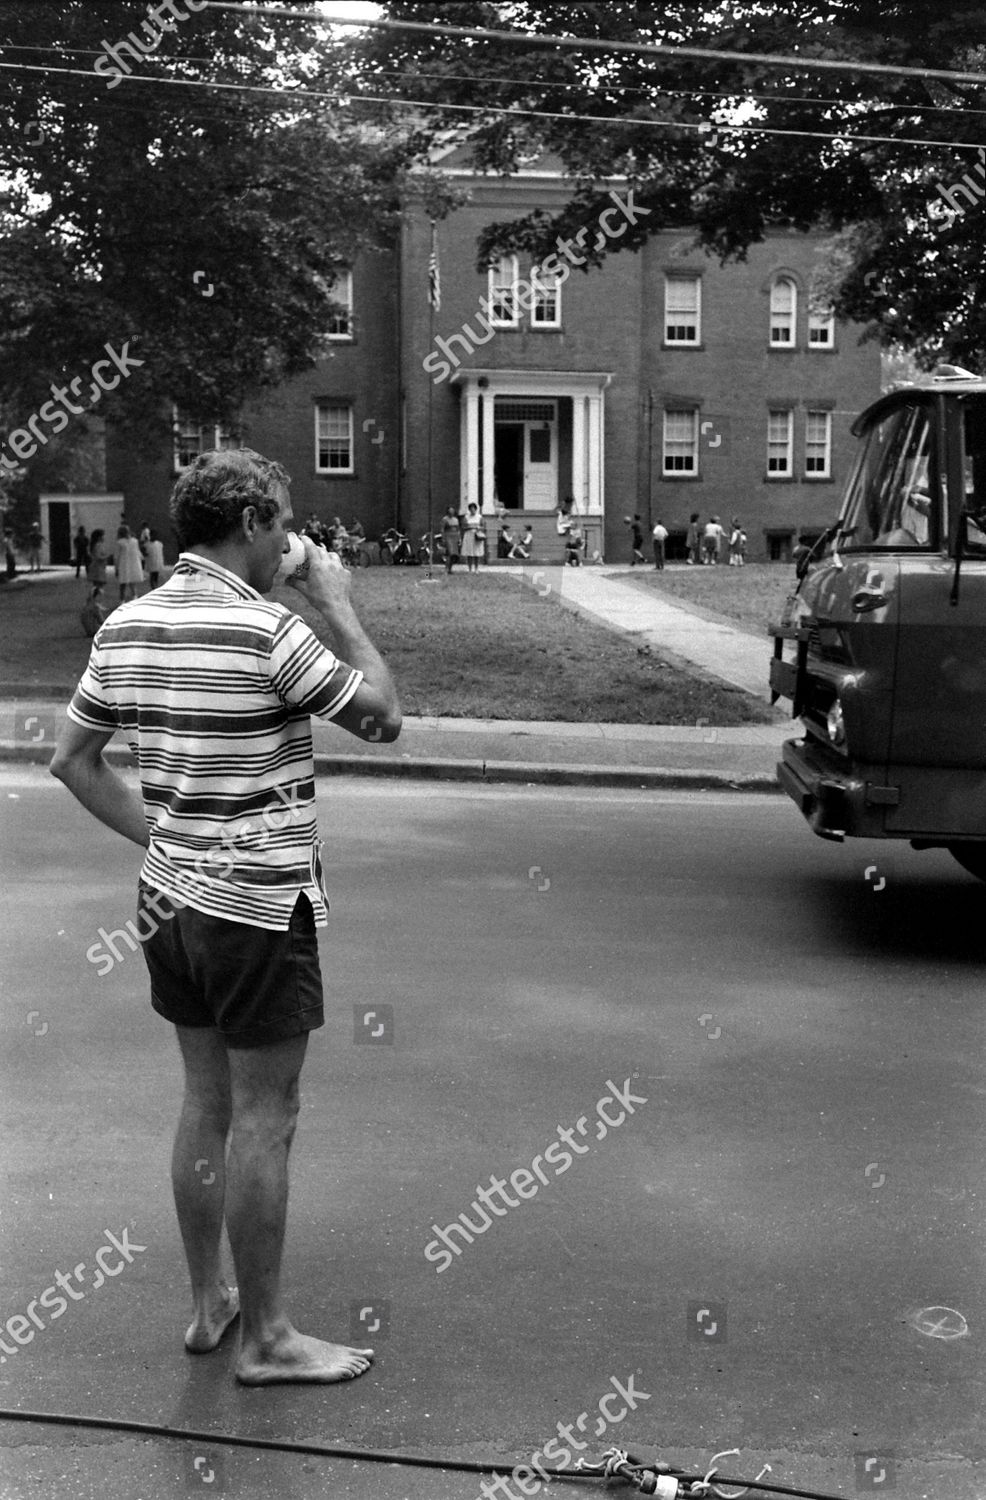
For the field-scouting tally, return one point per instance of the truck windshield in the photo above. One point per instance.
(889, 500)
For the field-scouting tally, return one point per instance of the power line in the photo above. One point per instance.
(913, 106)
(703, 128)
(597, 44)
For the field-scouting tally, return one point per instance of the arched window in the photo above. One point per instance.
(783, 313)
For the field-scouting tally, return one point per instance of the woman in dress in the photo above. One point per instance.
(129, 564)
(451, 537)
(693, 540)
(473, 536)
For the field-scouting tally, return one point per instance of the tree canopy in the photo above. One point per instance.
(885, 163)
(191, 222)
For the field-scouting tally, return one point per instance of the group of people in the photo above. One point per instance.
(335, 536)
(32, 546)
(464, 537)
(512, 547)
(703, 544)
(133, 558)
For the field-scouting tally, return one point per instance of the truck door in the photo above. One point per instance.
(939, 712)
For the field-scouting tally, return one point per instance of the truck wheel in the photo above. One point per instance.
(971, 857)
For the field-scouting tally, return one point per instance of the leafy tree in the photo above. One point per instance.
(731, 147)
(196, 230)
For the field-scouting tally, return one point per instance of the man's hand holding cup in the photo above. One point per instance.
(316, 573)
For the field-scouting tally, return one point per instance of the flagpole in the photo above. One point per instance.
(434, 299)
(431, 341)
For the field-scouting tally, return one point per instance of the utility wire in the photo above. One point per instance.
(598, 44)
(914, 106)
(844, 137)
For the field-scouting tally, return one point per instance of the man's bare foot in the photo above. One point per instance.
(206, 1330)
(294, 1356)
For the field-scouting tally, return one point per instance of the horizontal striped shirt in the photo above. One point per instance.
(213, 686)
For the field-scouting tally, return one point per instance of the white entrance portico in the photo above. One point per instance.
(529, 438)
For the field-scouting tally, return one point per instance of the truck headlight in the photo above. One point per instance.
(835, 724)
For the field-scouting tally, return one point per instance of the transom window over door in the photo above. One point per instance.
(524, 411)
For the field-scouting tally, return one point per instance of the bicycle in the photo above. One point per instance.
(435, 551)
(396, 549)
(353, 552)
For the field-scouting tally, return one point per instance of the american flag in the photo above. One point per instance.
(434, 279)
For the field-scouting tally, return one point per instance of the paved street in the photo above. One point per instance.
(762, 1243)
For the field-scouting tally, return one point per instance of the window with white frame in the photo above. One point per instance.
(546, 307)
(333, 437)
(193, 438)
(821, 328)
(780, 432)
(818, 444)
(783, 313)
(680, 443)
(341, 316)
(503, 298)
(682, 309)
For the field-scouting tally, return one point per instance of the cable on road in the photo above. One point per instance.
(656, 1478)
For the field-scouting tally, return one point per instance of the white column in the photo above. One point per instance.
(470, 448)
(486, 501)
(602, 452)
(594, 505)
(578, 451)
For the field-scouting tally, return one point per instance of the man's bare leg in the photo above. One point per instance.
(198, 1175)
(264, 1086)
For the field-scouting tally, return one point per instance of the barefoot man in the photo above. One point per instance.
(213, 686)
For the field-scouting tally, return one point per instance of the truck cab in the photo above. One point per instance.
(882, 647)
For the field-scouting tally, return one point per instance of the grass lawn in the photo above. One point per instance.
(747, 597)
(481, 646)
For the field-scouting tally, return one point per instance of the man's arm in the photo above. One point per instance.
(373, 712)
(78, 763)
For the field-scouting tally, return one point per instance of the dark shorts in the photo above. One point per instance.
(255, 986)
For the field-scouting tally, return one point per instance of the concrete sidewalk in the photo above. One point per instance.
(696, 756)
(721, 650)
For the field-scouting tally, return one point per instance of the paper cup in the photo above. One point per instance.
(294, 563)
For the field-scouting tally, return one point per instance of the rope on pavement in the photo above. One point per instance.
(658, 1478)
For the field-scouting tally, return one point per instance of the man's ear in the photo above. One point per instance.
(248, 522)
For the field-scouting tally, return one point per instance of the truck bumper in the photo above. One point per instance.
(838, 801)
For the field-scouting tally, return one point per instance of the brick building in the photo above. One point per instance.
(660, 383)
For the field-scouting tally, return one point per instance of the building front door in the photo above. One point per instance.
(540, 466)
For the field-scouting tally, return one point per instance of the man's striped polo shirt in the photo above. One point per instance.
(213, 686)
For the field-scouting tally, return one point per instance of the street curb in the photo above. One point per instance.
(668, 778)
